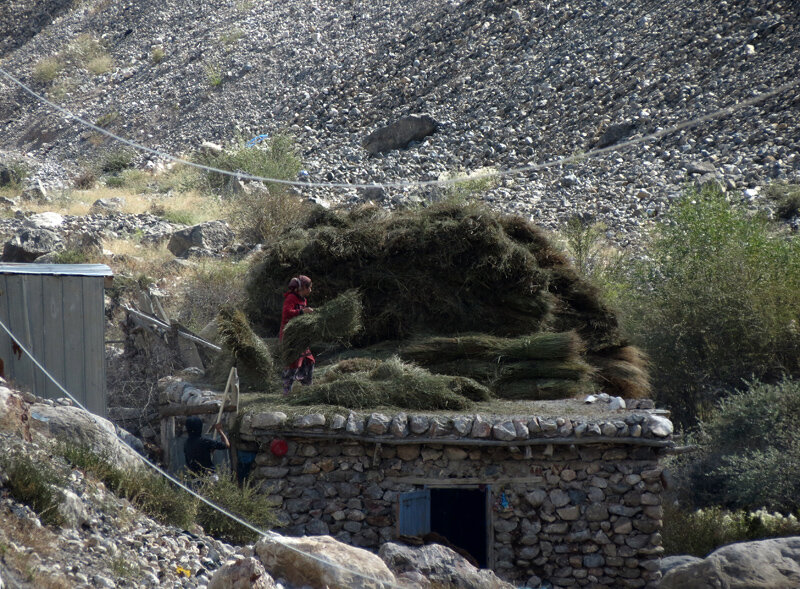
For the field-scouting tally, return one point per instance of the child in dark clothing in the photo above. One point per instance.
(295, 302)
(198, 450)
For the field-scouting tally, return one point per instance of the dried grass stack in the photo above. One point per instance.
(336, 321)
(243, 348)
(452, 269)
(390, 383)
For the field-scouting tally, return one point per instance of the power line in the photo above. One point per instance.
(423, 183)
(267, 534)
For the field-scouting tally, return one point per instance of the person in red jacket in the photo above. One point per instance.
(295, 302)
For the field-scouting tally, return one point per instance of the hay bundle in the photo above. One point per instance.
(338, 320)
(390, 383)
(245, 346)
(543, 389)
(537, 346)
(623, 372)
(242, 348)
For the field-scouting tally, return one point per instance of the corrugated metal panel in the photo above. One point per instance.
(414, 513)
(56, 269)
(61, 320)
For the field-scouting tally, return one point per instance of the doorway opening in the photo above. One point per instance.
(459, 515)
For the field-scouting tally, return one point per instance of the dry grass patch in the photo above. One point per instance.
(22, 544)
(138, 259)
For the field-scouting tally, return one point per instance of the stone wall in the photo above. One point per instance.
(576, 503)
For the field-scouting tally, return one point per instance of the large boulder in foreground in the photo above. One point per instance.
(764, 564)
(399, 134)
(321, 561)
(81, 427)
(437, 566)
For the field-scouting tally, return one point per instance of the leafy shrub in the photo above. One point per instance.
(117, 160)
(244, 501)
(751, 451)
(34, 483)
(47, 69)
(702, 531)
(71, 256)
(716, 301)
(157, 55)
(275, 158)
(13, 175)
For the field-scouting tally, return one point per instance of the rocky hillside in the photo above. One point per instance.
(509, 82)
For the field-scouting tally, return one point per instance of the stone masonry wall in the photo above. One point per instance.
(578, 510)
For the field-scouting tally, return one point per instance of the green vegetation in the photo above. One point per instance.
(245, 348)
(209, 287)
(232, 36)
(715, 302)
(390, 383)
(100, 65)
(149, 491)
(106, 119)
(71, 256)
(700, 532)
(116, 161)
(34, 483)
(462, 187)
(12, 177)
(243, 500)
(47, 69)
(214, 75)
(157, 55)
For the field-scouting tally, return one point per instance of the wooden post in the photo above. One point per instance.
(167, 435)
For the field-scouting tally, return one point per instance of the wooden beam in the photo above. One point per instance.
(178, 410)
(450, 441)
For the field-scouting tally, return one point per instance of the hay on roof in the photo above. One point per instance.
(338, 320)
(540, 389)
(390, 383)
(623, 372)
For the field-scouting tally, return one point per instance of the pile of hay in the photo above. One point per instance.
(244, 349)
(536, 367)
(390, 383)
(336, 321)
(447, 270)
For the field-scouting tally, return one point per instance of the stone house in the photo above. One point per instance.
(573, 501)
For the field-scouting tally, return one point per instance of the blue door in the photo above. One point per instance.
(414, 513)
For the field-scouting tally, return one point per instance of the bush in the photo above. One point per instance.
(85, 180)
(751, 451)
(100, 65)
(214, 75)
(157, 55)
(116, 161)
(46, 70)
(716, 302)
(207, 288)
(242, 500)
(13, 175)
(700, 532)
(275, 158)
(35, 484)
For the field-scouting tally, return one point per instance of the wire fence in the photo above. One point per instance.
(403, 184)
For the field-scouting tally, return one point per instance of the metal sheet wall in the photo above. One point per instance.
(61, 320)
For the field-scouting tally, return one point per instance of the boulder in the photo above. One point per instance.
(764, 564)
(670, 562)
(400, 133)
(321, 561)
(614, 134)
(30, 244)
(441, 566)
(72, 509)
(244, 573)
(13, 413)
(105, 206)
(47, 220)
(82, 428)
(212, 236)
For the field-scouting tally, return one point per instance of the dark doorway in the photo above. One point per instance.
(460, 516)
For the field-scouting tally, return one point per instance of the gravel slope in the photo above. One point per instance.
(511, 83)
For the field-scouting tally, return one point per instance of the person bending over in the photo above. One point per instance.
(199, 450)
